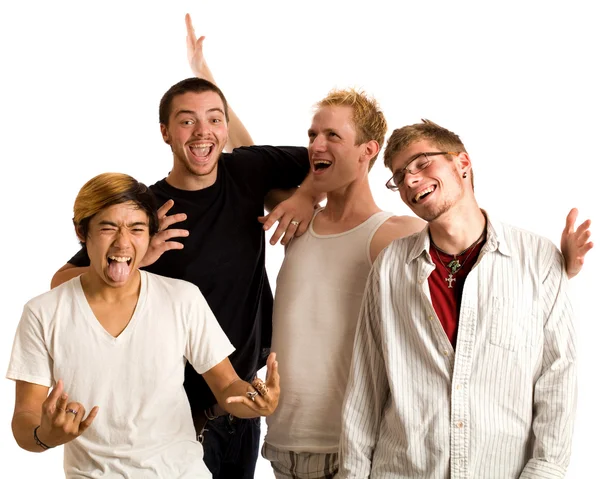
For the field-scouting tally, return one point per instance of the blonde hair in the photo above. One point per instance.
(109, 189)
(367, 116)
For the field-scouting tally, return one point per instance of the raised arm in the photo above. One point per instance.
(238, 135)
(368, 389)
(575, 243)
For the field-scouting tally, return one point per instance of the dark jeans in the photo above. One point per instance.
(231, 447)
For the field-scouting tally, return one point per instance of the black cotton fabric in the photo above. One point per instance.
(224, 255)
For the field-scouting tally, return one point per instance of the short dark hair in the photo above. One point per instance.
(108, 189)
(196, 85)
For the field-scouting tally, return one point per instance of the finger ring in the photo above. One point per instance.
(252, 394)
(260, 386)
(294, 222)
(72, 411)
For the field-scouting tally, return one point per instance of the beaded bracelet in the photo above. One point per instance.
(38, 442)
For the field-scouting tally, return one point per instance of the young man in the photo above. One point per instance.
(117, 339)
(217, 198)
(464, 359)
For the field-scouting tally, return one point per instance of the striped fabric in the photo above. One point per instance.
(301, 465)
(500, 406)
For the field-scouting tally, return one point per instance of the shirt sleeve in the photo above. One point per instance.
(555, 390)
(270, 167)
(207, 344)
(30, 360)
(368, 387)
(80, 259)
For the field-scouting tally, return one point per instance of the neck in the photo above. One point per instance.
(457, 229)
(179, 177)
(96, 289)
(353, 201)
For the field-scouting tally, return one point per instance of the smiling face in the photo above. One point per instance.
(435, 190)
(197, 134)
(117, 240)
(334, 157)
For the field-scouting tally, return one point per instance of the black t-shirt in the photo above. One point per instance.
(224, 254)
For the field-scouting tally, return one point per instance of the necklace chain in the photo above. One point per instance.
(454, 265)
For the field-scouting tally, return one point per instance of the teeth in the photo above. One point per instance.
(423, 193)
(202, 145)
(120, 259)
(322, 162)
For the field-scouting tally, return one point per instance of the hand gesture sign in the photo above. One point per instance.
(263, 396)
(159, 242)
(62, 421)
(574, 243)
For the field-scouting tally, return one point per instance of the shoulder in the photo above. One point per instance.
(394, 228)
(171, 289)
(528, 246)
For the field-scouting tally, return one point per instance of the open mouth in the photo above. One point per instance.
(424, 193)
(119, 268)
(201, 150)
(119, 259)
(321, 164)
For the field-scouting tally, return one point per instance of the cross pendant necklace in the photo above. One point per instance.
(449, 280)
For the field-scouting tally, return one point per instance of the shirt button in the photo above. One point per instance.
(460, 425)
(430, 318)
(446, 352)
(458, 386)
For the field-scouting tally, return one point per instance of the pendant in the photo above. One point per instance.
(454, 265)
(449, 280)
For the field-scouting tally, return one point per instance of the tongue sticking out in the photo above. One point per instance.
(118, 272)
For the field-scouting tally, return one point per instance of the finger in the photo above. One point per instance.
(583, 238)
(272, 378)
(166, 221)
(282, 227)
(191, 34)
(55, 394)
(290, 232)
(164, 209)
(74, 409)
(301, 229)
(87, 422)
(200, 42)
(571, 219)
(583, 227)
(271, 219)
(246, 402)
(170, 234)
(168, 246)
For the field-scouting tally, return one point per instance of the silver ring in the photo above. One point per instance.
(252, 394)
(294, 222)
(72, 411)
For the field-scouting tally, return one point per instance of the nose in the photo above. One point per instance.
(318, 143)
(411, 179)
(200, 128)
(121, 238)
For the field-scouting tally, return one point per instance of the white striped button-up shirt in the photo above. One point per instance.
(499, 406)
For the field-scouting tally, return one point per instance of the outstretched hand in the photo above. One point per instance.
(265, 395)
(575, 243)
(63, 421)
(194, 52)
(159, 242)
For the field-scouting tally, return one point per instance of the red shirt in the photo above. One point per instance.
(446, 300)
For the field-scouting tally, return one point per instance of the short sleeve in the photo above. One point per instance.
(30, 359)
(269, 167)
(207, 344)
(80, 259)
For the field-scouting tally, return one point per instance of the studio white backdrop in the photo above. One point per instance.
(81, 82)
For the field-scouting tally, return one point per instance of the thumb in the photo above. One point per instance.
(571, 219)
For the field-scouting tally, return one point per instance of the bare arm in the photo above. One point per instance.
(394, 228)
(67, 272)
(232, 393)
(34, 407)
(238, 135)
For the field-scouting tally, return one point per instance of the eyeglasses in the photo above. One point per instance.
(419, 163)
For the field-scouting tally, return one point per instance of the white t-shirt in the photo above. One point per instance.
(144, 425)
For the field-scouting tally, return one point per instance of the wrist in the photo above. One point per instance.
(39, 441)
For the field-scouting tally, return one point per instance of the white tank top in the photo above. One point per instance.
(317, 302)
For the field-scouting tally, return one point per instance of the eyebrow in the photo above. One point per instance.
(129, 225)
(326, 130)
(191, 112)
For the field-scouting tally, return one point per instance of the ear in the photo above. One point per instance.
(79, 234)
(371, 148)
(164, 131)
(463, 163)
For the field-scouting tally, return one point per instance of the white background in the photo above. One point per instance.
(81, 82)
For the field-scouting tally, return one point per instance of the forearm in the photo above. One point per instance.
(23, 425)
(66, 273)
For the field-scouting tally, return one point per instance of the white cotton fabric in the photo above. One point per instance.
(500, 406)
(144, 425)
(319, 291)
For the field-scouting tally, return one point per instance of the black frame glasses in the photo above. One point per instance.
(413, 167)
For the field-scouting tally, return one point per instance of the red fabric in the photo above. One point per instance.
(446, 301)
